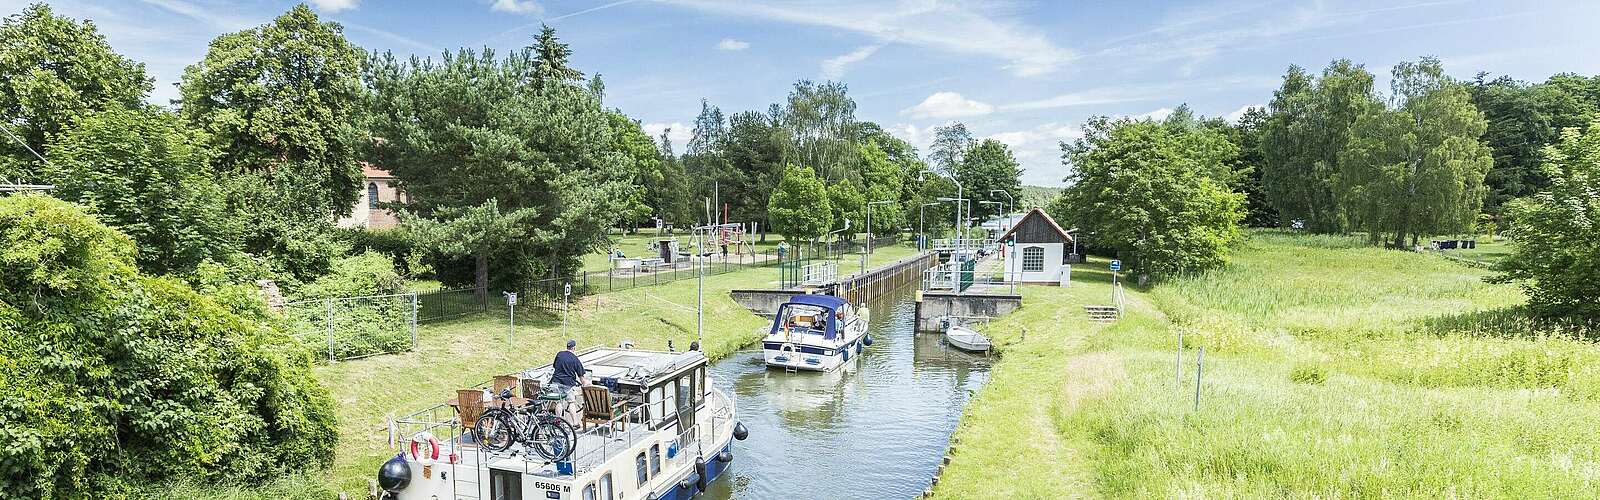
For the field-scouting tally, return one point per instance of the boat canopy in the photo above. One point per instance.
(828, 303)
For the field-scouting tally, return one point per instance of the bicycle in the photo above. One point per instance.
(535, 425)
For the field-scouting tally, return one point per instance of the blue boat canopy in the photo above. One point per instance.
(828, 303)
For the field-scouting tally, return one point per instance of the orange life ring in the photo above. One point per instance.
(433, 447)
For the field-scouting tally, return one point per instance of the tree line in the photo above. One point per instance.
(1329, 154)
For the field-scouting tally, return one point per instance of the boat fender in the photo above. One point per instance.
(740, 431)
(700, 473)
(725, 456)
(846, 353)
(867, 341)
(433, 448)
(395, 474)
(689, 482)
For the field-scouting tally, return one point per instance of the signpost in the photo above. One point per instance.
(566, 295)
(1116, 265)
(511, 304)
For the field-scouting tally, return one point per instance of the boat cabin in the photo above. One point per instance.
(652, 427)
(812, 314)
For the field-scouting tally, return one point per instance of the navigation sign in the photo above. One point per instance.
(511, 298)
(1116, 265)
(567, 290)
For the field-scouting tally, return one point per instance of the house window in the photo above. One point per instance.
(372, 195)
(1032, 259)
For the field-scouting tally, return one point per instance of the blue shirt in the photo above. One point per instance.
(567, 369)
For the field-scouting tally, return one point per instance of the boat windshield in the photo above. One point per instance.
(804, 319)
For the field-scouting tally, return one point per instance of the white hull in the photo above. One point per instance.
(813, 353)
(966, 339)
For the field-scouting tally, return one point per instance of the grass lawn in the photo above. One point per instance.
(1331, 370)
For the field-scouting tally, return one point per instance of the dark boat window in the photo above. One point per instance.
(588, 492)
(655, 459)
(505, 485)
(644, 470)
(700, 385)
(605, 487)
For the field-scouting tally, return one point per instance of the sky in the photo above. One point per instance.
(1026, 73)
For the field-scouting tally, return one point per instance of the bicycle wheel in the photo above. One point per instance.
(554, 439)
(494, 431)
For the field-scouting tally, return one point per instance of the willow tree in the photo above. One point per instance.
(1417, 166)
(1310, 120)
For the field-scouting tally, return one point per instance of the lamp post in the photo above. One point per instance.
(959, 195)
(1010, 204)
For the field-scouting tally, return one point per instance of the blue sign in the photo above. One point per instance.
(1116, 265)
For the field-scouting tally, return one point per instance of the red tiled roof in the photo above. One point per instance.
(371, 172)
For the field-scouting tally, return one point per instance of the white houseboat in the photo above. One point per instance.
(670, 434)
(815, 332)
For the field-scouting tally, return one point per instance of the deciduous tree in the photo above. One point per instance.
(142, 172)
(1142, 188)
(52, 71)
(1555, 257)
(800, 208)
(1417, 168)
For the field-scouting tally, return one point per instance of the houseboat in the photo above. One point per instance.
(669, 434)
(816, 333)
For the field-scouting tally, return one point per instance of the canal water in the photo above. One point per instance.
(875, 428)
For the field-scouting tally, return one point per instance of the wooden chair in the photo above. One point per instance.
(469, 405)
(530, 388)
(503, 382)
(598, 408)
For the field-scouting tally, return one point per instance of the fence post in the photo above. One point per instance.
(413, 320)
(1199, 366)
(330, 329)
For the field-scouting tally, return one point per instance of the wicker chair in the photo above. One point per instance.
(469, 404)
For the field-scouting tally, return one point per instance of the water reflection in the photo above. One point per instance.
(875, 428)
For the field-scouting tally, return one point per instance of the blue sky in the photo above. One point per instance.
(1024, 72)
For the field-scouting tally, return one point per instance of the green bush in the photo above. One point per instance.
(360, 326)
(110, 379)
(1308, 374)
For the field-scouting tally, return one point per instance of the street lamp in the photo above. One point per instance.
(955, 239)
(1010, 204)
(869, 222)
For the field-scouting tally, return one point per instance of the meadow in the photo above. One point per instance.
(1331, 369)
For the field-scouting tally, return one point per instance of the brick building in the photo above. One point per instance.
(379, 188)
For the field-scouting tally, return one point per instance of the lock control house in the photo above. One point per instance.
(1035, 249)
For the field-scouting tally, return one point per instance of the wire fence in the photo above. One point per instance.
(354, 327)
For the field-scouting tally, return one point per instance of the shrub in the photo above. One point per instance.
(1556, 259)
(110, 379)
(359, 326)
(1306, 373)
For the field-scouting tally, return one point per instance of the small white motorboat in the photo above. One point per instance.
(966, 339)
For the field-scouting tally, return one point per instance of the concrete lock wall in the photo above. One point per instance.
(933, 307)
(765, 302)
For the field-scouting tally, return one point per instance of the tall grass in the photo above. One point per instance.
(1333, 369)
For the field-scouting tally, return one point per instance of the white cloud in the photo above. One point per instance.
(1239, 113)
(225, 21)
(1157, 115)
(947, 105)
(679, 133)
(1173, 91)
(331, 6)
(731, 44)
(956, 27)
(1038, 150)
(517, 6)
(833, 68)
